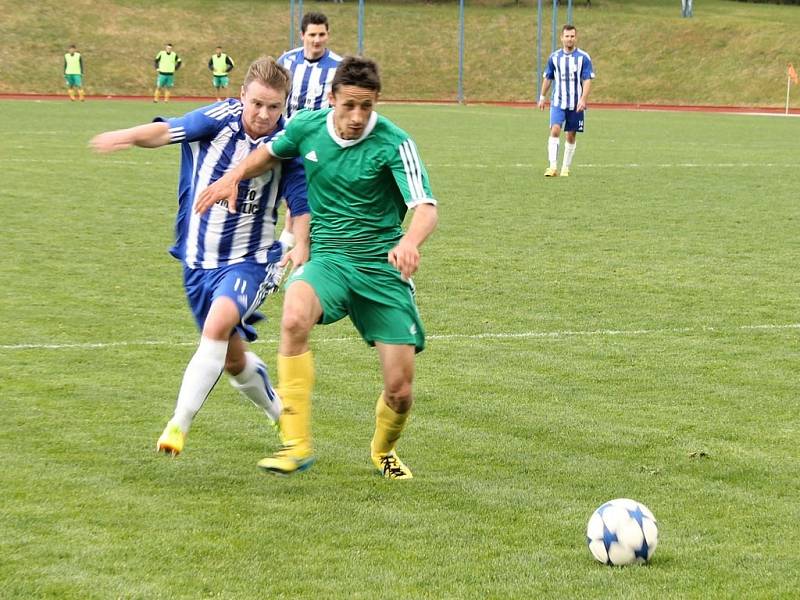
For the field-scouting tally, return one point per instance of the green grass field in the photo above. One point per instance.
(630, 331)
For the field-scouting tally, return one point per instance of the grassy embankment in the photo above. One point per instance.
(728, 54)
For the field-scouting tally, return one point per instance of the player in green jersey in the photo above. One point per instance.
(166, 63)
(73, 73)
(220, 65)
(364, 174)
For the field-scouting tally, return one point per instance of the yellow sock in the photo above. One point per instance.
(388, 427)
(295, 383)
(71, 94)
(166, 95)
(155, 95)
(81, 94)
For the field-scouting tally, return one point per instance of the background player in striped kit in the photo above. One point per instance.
(312, 66)
(364, 175)
(571, 69)
(231, 259)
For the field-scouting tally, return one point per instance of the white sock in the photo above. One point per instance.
(254, 383)
(552, 151)
(569, 152)
(199, 378)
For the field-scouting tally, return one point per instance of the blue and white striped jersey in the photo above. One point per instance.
(213, 141)
(311, 80)
(568, 71)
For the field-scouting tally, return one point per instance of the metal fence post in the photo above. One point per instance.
(361, 27)
(461, 51)
(539, 49)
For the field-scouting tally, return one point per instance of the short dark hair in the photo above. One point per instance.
(568, 27)
(358, 71)
(313, 18)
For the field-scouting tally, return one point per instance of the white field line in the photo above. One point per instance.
(552, 335)
(684, 165)
(59, 161)
(748, 165)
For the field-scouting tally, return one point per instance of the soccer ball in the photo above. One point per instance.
(622, 532)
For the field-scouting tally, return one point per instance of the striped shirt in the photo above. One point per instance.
(311, 79)
(568, 71)
(213, 141)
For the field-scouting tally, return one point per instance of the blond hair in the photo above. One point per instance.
(268, 72)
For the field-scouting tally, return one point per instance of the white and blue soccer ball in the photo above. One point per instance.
(622, 532)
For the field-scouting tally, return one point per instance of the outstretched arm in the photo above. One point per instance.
(405, 256)
(150, 135)
(227, 187)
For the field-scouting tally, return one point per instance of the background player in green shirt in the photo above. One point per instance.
(363, 175)
(166, 63)
(73, 73)
(220, 64)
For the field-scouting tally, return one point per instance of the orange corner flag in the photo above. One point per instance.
(792, 74)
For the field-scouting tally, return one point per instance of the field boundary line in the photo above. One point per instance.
(619, 165)
(445, 336)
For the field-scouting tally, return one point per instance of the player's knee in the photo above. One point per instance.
(397, 393)
(296, 321)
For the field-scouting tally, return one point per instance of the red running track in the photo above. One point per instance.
(628, 106)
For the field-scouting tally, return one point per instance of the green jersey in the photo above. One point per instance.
(358, 190)
(73, 64)
(167, 62)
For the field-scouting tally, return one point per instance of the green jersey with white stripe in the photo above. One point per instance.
(358, 190)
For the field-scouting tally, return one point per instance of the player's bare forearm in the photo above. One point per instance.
(227, 186)
(149, 135)
(257, 162)
(299, 254)
(587, 86)
(423, 222)
(543, 97)
(405, 256)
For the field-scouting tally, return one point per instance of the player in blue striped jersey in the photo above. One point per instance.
(571, 70)
(312, 66)
(231, 258)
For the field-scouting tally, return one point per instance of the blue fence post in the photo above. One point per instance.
(361, 27)
(569, 12)
(291, 24)
(461, 52)
(539, 17)
(555, 24)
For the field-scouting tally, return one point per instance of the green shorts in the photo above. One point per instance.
(74, 80)
(220, 81)
(380, 304)
(165, 81)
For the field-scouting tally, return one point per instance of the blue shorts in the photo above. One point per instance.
(246, 283)
(570, 120)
